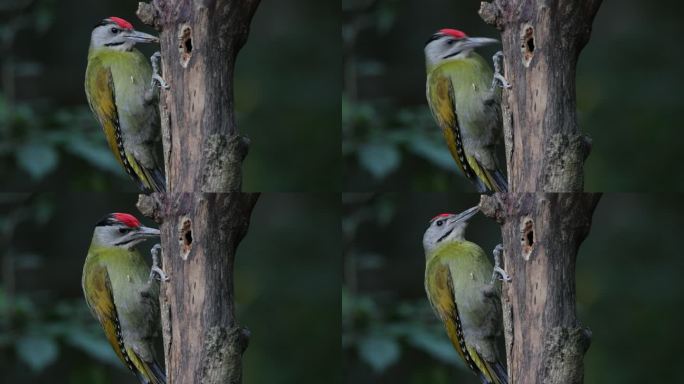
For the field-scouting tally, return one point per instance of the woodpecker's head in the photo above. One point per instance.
(118, 34)
(452, 44)
(121, 230)
(447, 227)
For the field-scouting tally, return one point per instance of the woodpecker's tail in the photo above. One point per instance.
(149, 179)
(147, 372)
(488, 180)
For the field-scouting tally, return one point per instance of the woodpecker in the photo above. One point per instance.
(122, 293)
(465, 102)
(119, 85)
(464, 293)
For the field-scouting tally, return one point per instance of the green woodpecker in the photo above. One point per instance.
(461, 287)
(122, 293)
(119, 84)
(465, 101)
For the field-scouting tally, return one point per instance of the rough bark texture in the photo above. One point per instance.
(199, 41)
(203, 215)
(545, 153)
(542, 40)
(542, 232)
(200, 233)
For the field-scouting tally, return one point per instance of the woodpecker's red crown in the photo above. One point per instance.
(127, 219)
(455, 33)
(441, 216)
(121, 22)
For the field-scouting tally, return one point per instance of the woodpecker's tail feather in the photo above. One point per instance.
(147, 372)
(500, 181)
(488, 372)
(149, 179)
(158, 178)
(488, 180)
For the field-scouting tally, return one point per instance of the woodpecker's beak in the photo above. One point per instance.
(465, 215)
(146, 233)
(140, 37)
(475, 42)
(136, 236)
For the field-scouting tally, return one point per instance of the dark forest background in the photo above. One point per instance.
(287, 286)
(629, 289)
(287, 92)
(628, 94)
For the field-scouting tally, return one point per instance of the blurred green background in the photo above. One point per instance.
(629, 289)
(287, 92)
(287, 286)
(628, 90)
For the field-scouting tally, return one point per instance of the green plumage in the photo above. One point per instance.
(459, 92)
(119, 92)
(457, 283)
(116, 288)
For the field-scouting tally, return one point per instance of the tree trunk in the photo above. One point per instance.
(542, 232)
(199, 41)
(542, 40)
(545, 152)
(203, 215)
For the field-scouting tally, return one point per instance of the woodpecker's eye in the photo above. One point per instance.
(450, 42)
(115, 30)
(123, 230)
(440, 223)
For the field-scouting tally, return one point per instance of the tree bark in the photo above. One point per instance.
(545, 153)
(542, 40)
(200, 40)
(200, 232)
(203, 216)
(542, 232)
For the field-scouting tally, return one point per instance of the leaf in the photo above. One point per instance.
(97, 155)
(94, 345)
(37, 159)
(379, 351)
(37, 352)
(436, 153)
(380, 159)
(438, 346)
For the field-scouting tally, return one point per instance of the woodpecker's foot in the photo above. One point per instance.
(499, 80)
(156, 270)
(156, 77)
(502, 275)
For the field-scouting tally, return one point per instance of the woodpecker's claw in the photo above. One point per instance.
(498, 250)
(156, 77)
(499, 79)
(156, 270)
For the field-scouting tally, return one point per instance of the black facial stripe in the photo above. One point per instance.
(113, 44)
(445, 235)
(452, 54)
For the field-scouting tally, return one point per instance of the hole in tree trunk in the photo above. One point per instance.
(185, 237)
(185, 45)
(527, 44)
(527, 237)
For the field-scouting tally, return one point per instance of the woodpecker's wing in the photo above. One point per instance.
(100, 92)
(101, 302)
(440, 289)
(440, 95)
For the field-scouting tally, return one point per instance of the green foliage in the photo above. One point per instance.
(380, 329)
(35, 134)
(34, 327)
(385, 142)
